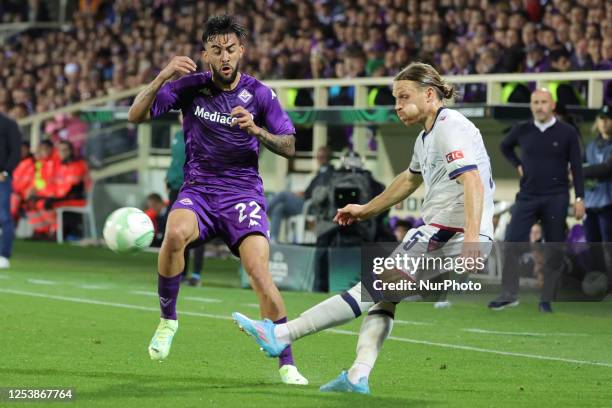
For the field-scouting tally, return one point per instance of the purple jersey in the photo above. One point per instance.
(218, 155)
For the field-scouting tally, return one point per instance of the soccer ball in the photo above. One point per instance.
(128, 229)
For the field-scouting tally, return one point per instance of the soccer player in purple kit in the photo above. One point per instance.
(227, 115)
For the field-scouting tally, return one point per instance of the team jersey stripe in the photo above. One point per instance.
(352, 303)
(456, 173)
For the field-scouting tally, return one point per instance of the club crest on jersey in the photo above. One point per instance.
(452, 156)
(186, 201)
(245, 96)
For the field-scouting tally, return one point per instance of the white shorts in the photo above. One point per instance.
(435, 250)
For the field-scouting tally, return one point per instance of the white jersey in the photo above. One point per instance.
(452, 147)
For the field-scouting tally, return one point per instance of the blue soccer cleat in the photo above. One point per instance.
(342, 384)
(263, 333)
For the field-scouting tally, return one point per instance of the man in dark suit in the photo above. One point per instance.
(547, 146)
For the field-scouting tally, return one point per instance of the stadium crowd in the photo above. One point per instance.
(117, 45)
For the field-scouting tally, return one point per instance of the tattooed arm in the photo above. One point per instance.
(140, 109)
(283, 145)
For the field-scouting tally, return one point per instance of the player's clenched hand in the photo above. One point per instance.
(349, 214)
(177, 67)
(244, 119)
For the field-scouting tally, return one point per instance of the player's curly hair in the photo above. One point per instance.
(426, 76)
(220, 25)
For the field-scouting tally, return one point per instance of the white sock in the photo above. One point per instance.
(281, 331)
(332, 312)
(357, 371)
(375, 328)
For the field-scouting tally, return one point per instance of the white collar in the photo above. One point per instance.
(545, 125)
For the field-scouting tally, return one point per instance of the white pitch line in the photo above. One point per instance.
(42, 282)
(253, 305)
(484, 350)
(94, 287)
(194, 298)
(346, 332)
(509, 333)
(412, 322)
(202, 299)
(112, 304)
(143, 293)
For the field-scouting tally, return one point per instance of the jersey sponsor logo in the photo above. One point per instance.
(186, 201)
(216, 117)
(245, 96)
(452, 156)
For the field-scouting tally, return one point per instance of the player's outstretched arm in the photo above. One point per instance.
(140, 109)
(400, 188)
(283, 145)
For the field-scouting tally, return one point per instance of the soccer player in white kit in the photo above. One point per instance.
(451, 160)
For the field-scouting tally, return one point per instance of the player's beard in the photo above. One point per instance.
(221, 78)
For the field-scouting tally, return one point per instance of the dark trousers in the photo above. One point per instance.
(551, 211)
(598, 230)
(598, 224)
(7, 232)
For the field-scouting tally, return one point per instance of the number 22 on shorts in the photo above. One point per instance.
(241, 207)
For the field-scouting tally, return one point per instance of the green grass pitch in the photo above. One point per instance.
(83, 317)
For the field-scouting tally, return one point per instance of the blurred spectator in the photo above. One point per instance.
(598, 194)
(157, 210)
(60, 179)
(286, 203)
(23, 177)
(71, 179)
(42, 189)
(45, 168)
(71, 184)
(113, 46)
(68, 127)
(10, 140)
(564, 92)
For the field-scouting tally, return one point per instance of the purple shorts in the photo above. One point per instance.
(232, 216)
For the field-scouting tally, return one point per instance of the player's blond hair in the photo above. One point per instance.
(426, 76)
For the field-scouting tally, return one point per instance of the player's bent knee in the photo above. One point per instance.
(259, 275)
(176, 237)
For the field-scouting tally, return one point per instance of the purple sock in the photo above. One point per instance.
(168, 289)
(286, 357)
